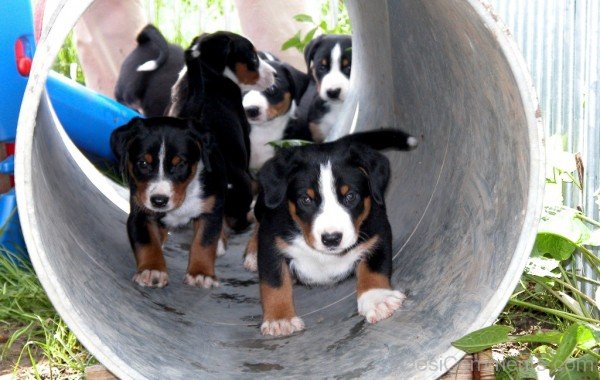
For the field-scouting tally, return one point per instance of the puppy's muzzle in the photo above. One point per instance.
(331, 240)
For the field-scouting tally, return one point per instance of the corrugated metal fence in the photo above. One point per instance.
(560, 42)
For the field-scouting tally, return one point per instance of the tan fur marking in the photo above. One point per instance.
(179, 189)
(281, 244)
(208, 204)
(148, 158)
(244, 75)
(311, 193)
(305, 227)
(150, 256)
(366, 279)
(324, 61)
(363, 215)
(345, 62)
(176, 160)
(202, 257)
(344, 189)
(278, 303)
(275, 110)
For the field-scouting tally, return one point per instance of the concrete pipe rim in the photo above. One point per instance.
(61, 23)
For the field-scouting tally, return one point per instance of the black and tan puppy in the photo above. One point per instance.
(174, 176)
(329, 63)
(322, 216)
(148, 72)
(219, 67)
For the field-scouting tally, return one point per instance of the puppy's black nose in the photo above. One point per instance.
(334, 93)
(331, 240)
(159, 200)
(252, 112)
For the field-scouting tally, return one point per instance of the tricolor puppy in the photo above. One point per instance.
(174, 176)
(269, 112)
(329, 61)
(322, 217)
(219, 67)
(148, 73)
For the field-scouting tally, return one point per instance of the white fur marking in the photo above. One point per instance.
(260, 137)
(378, 304)
(335, 78)
(160, 186)
(256, 99)
(201, 281)
(192, 205)
(221, 249)
(412, 142)
(148, 66)
(332, 216)
(282, 326)
(313, 267)
(151, 278)
(251, 261)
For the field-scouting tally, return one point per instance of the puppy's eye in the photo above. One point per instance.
(305, 200)
(350, 198)
(144, 166)
(271, 90)
(322, 68)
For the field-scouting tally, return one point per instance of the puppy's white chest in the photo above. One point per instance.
(191, 207)
(261, 135)
(331, 117)
(315, 268)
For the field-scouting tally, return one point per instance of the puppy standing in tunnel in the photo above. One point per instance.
(321, 215)
(175, 176)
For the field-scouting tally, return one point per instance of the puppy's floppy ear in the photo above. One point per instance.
(120, 139)
(273, 177)
(214, 50)
(298, 81)
(310, 49)
(376, 167)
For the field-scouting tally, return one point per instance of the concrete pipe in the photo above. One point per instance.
(463, 206)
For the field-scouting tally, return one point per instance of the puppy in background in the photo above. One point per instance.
(322, 217)
(219, 67)
(270, 112)
(148, 73)
(175, 176)
(329, 62)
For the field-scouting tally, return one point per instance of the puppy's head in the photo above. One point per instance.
(235, 57)
(277, 100)
(328, 189)
(160, 157)
(329, 61)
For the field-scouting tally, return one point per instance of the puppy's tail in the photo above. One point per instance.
(383, 139)
(152, 35)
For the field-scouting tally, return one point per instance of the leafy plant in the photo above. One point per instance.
(299, 41)
(567, 344)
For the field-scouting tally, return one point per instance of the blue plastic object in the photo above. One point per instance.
(17, 24)
(88, 117)
(11, 238)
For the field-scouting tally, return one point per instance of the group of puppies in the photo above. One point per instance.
(320, 212)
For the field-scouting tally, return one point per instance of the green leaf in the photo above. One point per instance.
(303, 18)
(309, 36)
(565, 348)
(512, 368)
(550, 337)
(583, 368)
(541, 266)
(588, 336)
(593, 239)
(292, 42)
(555, 245)
(482, 339)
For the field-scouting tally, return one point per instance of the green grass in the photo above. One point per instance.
(37, 335)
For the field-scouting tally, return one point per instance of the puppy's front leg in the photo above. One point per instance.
(279, 315)
(203, 252)
(376, 298)
(146, 237)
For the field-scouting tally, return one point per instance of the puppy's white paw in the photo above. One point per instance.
(378, 304)
(251, 261)
(221, 248)
(202, 281)
(281, 327)
(151, 278)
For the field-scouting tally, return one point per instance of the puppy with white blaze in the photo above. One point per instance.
(329, 62)
(271, 112)
(321, 217)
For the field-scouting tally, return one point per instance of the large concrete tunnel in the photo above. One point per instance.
(463, 208)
